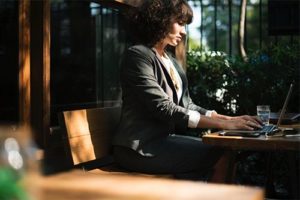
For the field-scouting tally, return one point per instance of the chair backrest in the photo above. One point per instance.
(89, 132)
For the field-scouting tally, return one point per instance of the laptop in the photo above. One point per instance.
(267, 130)
(288, 118)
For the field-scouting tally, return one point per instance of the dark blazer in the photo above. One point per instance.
(150, 107)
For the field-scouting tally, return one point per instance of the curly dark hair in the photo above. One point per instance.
(152, 21)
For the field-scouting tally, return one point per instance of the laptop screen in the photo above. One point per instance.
(285, 105)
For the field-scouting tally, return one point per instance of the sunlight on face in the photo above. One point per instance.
(176, 34)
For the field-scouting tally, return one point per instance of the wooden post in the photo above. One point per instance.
(24, 63)
(40, 70)
(46, 70)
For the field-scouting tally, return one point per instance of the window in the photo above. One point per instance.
(87, 41)
(216, 23)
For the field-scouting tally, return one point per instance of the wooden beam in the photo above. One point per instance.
(40, 70)
(36, 44)
(24, 63)
(46, 70)
(133, 3)
(118, 3)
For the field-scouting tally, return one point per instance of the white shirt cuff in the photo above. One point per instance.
(209, 112)
(194, 118)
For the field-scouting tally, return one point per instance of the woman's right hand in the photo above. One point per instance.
(233, 123)
(239, 123)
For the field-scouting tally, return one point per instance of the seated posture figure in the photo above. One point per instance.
(157, 109)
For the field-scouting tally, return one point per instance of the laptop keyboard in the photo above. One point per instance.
(267, 128)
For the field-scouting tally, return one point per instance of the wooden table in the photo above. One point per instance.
(259, 143)
(270, 144)
(249, 143)
(84, 185)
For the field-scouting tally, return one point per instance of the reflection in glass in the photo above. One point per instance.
(87, 41)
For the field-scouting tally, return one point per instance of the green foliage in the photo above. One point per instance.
(233, 86)
(205, 80)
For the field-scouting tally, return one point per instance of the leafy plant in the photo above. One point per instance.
(231, 85)
(208, 73)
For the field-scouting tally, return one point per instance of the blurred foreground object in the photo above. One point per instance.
(18, 159)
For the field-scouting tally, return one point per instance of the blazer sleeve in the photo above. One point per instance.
(138, 75)
(193, 106)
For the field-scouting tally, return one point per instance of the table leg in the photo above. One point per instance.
(231, 169)
(270, 190)
(293, 174)
(225, 168)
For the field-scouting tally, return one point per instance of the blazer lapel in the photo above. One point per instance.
(181, 74)
(168, 77)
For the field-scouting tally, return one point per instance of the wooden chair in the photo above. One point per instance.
(88, 134)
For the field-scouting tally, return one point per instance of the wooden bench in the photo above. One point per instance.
(77, 185)
(88, 139)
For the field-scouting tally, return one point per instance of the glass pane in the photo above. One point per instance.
(253, 2)
(252, 28)
(9, 61)
(194, 33)
(264, 15)
(207, 2)
(222, 28)
(236, 2)
(208, 27)
(113, 45)
(87, 41)
(235, 28)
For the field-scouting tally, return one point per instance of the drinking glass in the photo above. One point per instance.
(263, 112)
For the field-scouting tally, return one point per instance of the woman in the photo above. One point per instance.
(157, 109)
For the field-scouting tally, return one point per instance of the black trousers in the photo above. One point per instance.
(184, 156)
